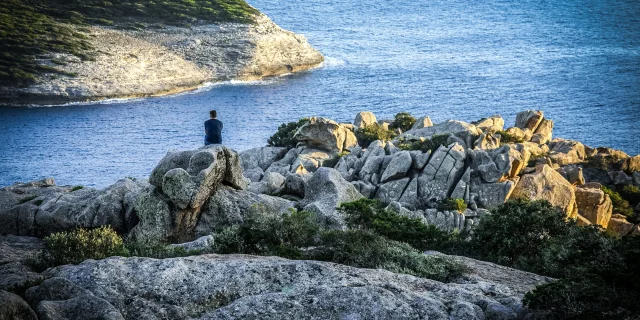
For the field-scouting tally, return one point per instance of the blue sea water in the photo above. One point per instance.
(578, 60)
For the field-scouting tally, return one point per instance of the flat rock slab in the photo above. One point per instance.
(241, 287)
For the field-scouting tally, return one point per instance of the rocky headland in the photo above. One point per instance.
(449, 175)
(139, 57)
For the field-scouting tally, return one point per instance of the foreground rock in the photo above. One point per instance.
(163, 61)
(247, 287)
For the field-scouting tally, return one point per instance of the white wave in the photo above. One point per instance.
(330, 62)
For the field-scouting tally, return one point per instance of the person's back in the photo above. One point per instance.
(213, 130)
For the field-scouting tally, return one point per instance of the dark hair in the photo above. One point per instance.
(213, 113)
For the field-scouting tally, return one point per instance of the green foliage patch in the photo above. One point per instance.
(298, 236)
(426, 145)
(453, 204)
(403, 121)
(284, 136)
(373, 132)
(506, 137)
(620, 205)
(27, 199)
(76, 246)
(368, 214)
(597, 272)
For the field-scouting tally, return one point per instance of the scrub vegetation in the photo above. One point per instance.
(30, 29)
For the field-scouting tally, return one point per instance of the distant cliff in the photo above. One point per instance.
(56, 52)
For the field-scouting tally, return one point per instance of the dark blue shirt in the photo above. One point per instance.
(213, 130)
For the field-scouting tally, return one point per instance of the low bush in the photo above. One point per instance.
(631, 194)
(76, 246)
(452, 204)
(367, 214)
(298, 236)
(365, 249)
(620, 205)
(427, 145)
(506, 137)
(159, 250)
(373, 132)
(284, 136)
(597, 272)
(76, 188)
(403, 121)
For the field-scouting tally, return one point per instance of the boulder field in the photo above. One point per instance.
(190, 194)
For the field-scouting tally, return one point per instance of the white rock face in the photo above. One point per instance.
(156, 62)
(248, 287)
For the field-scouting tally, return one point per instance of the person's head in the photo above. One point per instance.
(213, 114)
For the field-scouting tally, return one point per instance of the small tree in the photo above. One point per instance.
(284, 137)
(403, 121)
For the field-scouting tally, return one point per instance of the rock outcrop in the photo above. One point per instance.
(594, 205)
(326, 134)
(182, 183)
(546, 184)
(41, 208)
(152, 62)
(240, 287)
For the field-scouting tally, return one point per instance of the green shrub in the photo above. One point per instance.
(284, 136)
(605, 288)
(597, 272)
(373, 132)
(367, 214)
(452, 204)
(365, 249)
(298, 236)
(79, 245)
(506, 137)
(403, 121)
(631, 194)
(427, 145)
(620, 205)
(281, 235)
(517, 231)
(76, 188)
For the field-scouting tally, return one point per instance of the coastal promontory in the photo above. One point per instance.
(59, 51)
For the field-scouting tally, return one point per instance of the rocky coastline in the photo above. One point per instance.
(168, 60)
(190, 194)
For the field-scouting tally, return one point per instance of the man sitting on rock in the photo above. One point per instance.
(212, 130)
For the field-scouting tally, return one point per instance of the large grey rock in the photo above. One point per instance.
(229, 207)
(12, 307)
(261, 157)
(572, 173)
(326, 134)
(312, 158)
(439, 177)
(498, 164)
(16, 275)
(392, 190)
(564, 152)
(247, 287)
(324, 192)
(594, 205)
(491, 124)
(271, 182)
(619, 178)
(397, 167)
(529, 119)
(547, 184)
(54, 209)
(171, 209)
(543, 133)
(459, 131)
(422, 122)
(490, 195)
(61, 299)
(364, 118)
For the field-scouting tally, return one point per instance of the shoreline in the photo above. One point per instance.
(205, 85)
